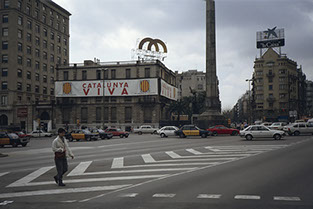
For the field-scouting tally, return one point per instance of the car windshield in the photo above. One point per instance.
(86, 131)
(119, 130)
(13, 135)
(246, 129)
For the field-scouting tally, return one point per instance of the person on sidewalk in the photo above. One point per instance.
(61, 152)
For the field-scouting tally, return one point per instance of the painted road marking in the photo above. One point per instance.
(5, 203)
(247, 197)
(131, 195)
(212, 149)
(209, 196)
(118, 162)
(80, 168)
(177, 156)
(164, 195)
(2, 174)
(62, 191)
(147, 158)
(119, 178)
(287, 198)
(195, 152)
(25, 181)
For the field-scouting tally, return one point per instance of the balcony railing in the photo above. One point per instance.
(271, 99)
(270, 75)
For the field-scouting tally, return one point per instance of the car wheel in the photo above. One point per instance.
(182, 135)
(14, 144)
(139, 132)
(203, 135)
(277, 136)
(87, 138)
(162, 135)
(24, 144)
(154, 132)
(296, 133)
(234, 133)
(121, 136)
(2, 146)
(126, 136)
(214, 133)
(249, 137)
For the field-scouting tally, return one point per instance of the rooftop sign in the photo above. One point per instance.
(270, 38)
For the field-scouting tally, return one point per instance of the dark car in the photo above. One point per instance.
(102, 133)
(81, 135)
(12, 139)
(192, 130)
(117, 132)
(220, 129)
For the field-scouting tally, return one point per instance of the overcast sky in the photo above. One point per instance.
(110, 29)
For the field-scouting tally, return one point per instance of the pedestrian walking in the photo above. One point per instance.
(61, 152)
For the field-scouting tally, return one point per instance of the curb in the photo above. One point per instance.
(3, 155)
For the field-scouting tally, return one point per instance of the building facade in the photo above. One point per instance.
(309, 98)
(134, 93)
(191, 80)
(278, 88)
(34, 40)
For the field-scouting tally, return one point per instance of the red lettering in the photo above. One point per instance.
(115, 85)
(86, 92)
(84, 85)
(89, 85)
(121, 84)
(98, 91)
(126, 85)
(111, 92)
(99, 85)
(124, 91)
(109, 85)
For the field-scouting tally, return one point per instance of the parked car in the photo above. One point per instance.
(82, 135)
(192, 130)
(117, 132)
(12, 139)
(299, 128)
(40, 133)
(260, 131)
(266, 123)
(278, 125)
(220, 129)
(23, 135)
(167, 131)
(145, 129)
(102, 134)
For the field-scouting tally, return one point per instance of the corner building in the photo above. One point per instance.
(134, 93)
(34, 40)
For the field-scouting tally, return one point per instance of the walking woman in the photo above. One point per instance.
(61, 152)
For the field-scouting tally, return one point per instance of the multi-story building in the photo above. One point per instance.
(34, 40)
(134, 93)
(277, 87)
(191, 80)
(309, 98)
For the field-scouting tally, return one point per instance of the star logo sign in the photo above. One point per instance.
(270, 32)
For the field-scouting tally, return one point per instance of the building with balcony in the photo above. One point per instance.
(191, 80)
(34, 40)
(123, 94)
(278, 86)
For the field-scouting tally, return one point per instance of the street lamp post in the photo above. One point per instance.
(103, 87)
(249, 103)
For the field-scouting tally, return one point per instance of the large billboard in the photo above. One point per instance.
(168, 91)
(270, 38)
(136, 87)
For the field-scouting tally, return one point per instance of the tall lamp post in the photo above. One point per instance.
(103, 87)
(249, 103)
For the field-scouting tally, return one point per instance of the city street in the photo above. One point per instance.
(147, 171)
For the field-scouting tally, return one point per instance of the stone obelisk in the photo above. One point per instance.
(212, 114)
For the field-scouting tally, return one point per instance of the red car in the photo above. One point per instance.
(220, 129)
(117, 132)
(23, 135)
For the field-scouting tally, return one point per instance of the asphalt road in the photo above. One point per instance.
(149, 172)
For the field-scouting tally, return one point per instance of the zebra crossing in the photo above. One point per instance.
(123, 173)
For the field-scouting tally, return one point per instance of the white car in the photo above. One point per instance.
(299, 128)
(40, 133)
(167, 131)
(278, 125)
(259, 131)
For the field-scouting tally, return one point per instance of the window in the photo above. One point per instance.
(52, 47)
(59, 50)
(147, 72)
(113, 99)
(29, 24)
(65, 52)
(4, 72)
(29, 75)
(283, 86)
(128, 114)
(51, 22)
(44, 78)
(59, 60)
(59, 39)
(84, 75)
(44, 90)
(270, 87)
(44, 67)
(45, 55)
(45, 44)
(6, 4)
(4, 100)
(28, 87)
(37, 89)
(65, 41)
(29, 37)
(106, 114)
(5, 18)
(19, 60)
(37, 76)
(19, 5)
(98, 113)
(282, 96)
(37, 29)
(45, 32)
(51, 79)
(5, 58)
(84, 114)
(19, 73)
(5, 45)
(19, 33)
(44, 18)
(37, 41)
(52, 36)
(29, 62)
(28, 50)
(282, 71)
(4, 85)
(200, 86)
(113, 74)
(52, 91)
(5, 31)
(20, 20)
(36, 14)
(19, 86)
(98, 74)
(106, 74)
(52, 58)
(113, 115)
(51, 69)
(37, 53)
(270, 80)
(65, 75)
(128, 73)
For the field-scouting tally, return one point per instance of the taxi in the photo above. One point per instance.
(192, 130)
(82, 135)
(12, 139)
